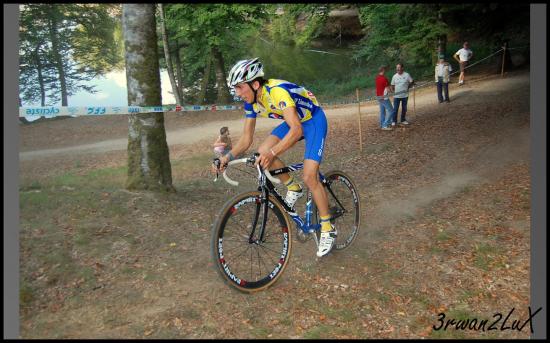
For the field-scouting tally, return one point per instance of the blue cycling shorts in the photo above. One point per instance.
(314, 131)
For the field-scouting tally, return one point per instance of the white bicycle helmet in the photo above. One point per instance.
(245, 71)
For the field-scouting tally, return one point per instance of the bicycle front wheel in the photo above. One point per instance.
(344, 207)
(242, 258)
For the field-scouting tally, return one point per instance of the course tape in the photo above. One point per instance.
(34, 113)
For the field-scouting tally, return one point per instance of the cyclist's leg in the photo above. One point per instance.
(315, 131)
(311, 179)
(275, 137)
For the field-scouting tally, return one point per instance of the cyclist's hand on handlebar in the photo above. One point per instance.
(265, 159)
(221, 164)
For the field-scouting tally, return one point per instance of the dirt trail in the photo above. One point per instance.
(194, 134)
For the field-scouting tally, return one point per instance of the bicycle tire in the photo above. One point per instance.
(225, 236)
(348, 229)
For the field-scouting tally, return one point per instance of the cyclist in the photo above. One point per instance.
(303, 117)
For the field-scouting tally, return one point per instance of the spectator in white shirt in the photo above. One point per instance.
(462, 56)
(400, 84)
(442, 76)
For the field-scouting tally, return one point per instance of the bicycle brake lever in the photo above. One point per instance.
(217, 163)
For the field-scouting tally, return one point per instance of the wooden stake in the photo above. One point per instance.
(414, 100)
(359, 118)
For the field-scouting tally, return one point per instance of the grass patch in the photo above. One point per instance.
(26, 294)
(436, 250)
(319, 331)
(128, 270)
(107, 176)
(466, 189)
(484, 255)
(210, 328)
(67, 180)
(167, 333)
(34, 185)
(260, 332)
(286, 320)
(467, 294)
(442, 236)
(152, 276)
(449, 334)
(382, 297)
(35, 200)
(114, 319)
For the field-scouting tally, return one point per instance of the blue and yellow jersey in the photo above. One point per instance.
(278, 95)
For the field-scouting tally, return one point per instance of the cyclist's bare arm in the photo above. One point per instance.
(293, 135)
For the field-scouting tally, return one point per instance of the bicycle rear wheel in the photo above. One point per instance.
(241, 259)
(344, 207)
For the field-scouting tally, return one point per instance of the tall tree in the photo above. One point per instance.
(223, 90)
(148, 155)
(167, 56)
(214, 33)
(36, 73)
(73, 42)
(179, 71)
(201, 98)
(54, 21)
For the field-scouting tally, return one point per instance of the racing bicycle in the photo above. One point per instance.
(251, 240)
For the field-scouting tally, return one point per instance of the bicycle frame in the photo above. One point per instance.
(266, 187)
(303, 224)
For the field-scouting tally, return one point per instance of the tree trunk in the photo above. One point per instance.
(58, 60)
(167, 56)
(508, 65)
(148, 154)
(40, 77)
(441, 39)
(201, 98)
(179, 73)
(223, 90)
(442, 45)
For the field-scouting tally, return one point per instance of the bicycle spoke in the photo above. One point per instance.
(248, 247)
(277, 253)
(252, 251)
(270, 252)
(235, 240)
(232, 248)
(246, 231)
(271, 242)
(259, 262)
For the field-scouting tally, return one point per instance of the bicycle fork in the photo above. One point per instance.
(261, 207)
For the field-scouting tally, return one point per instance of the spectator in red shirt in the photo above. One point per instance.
(382, 94)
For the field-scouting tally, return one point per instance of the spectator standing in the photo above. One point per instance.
(442, 76)
(400, 84)
(463, 56)
(382, 94)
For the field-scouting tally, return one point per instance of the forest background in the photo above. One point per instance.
(331, 49)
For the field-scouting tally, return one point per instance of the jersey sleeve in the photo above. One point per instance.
(249, 111)
(281, 98)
